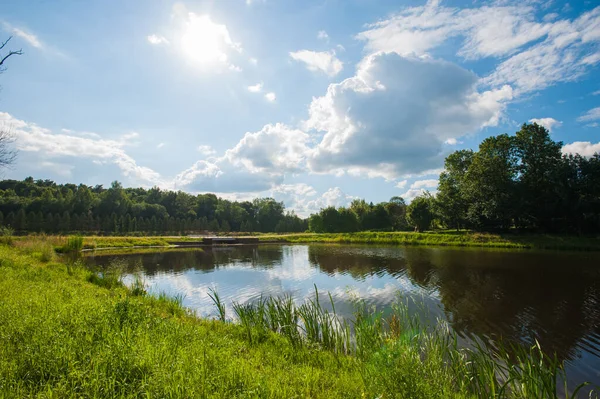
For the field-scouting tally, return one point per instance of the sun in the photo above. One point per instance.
(205, 42)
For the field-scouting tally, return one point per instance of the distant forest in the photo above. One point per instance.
(518, 182)
(44, 206)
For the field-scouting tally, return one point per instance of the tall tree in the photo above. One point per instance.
(451, 196)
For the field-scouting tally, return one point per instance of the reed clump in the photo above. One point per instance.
(404, 356)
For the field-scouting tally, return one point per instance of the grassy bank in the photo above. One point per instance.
(68, 332)
(448, 238)
(443, 238)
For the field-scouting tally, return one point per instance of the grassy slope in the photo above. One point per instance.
(444, 238)
(537, 241)
(61, 336)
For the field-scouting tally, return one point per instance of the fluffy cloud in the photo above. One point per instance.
(592, 115)
(32, 138)
(322, 35)
(157, 39)
(220, 176)
(323, 61)
(393, 117)
(539, 53)
(401, 184)
(548, 123)
(429, 183)
(333, 197)
(274, 149)
(270, 97)
(257, 88)
(584, 148)
(206, 150)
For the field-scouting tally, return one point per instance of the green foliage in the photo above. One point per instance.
(6, 235)
(64, 337)
(420, 212)
(521, 181)
(74, 244)
(33, 206)
(111, 276)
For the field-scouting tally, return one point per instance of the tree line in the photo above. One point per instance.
(512, 182)
(30, 206)
(521, 182)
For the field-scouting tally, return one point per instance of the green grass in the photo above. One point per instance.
(68, 332)
(447, 238)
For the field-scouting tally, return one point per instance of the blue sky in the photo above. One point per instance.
(311, 102)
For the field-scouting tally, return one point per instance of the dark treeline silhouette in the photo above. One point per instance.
(43, 206)
(519, 182)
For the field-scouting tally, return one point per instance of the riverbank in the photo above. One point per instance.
(442, 238)
(66, 331)
(448, 238)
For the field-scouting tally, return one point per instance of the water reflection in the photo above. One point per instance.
(514, 295)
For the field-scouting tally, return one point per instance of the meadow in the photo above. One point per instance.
(66, 331)
(432, 238)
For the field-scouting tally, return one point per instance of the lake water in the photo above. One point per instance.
(553, 297)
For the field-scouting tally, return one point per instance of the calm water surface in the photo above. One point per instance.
(553, 297)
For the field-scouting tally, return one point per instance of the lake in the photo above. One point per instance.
(553, 297)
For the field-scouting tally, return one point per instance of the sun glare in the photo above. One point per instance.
(205, 42)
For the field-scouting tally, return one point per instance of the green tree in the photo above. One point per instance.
(419, 212)
(451, 198)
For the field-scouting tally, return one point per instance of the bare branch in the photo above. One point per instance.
(4, 43)
(8, 155)
(10, 53)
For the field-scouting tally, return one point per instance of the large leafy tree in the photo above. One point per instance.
(539, 158)
(451, 197)
(489, 184)
(420, 212)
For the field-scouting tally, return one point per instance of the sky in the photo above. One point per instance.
(312, 102)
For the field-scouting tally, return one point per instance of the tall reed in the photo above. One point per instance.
(403, 352)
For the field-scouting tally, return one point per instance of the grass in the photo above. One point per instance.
(447, 238)
(68, 332)
(434, 238)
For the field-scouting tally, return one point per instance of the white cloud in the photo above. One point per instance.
(333, 197)
(257, 88)
(160, 145)
(32, 138)
(401, 184)
(451, 141)
(253, 61)
(592, 115)
(220, 176)
(380, 122)
(271, 97)
(548, 123)
(294, 196)
(156, 39)
(412, 193)
(584, 148)
(324, 61)
(206, 150)
(540, 54)
(250, 2)
(322, 35)
(274, 149)
(23, 34)
(429, 183)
